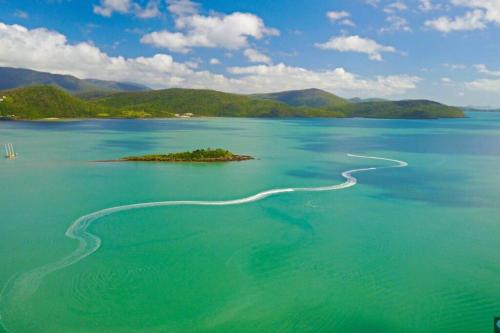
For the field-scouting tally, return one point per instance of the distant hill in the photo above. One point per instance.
(35, 102)
(405, 109)
(207, 103)
(11, 78)
(312, 98)
(366, 108)
(479, 109)
(365, 100)
(118, 86)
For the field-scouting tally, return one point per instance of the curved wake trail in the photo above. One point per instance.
(22, 286)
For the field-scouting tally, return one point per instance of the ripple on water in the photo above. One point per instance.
(26, 284)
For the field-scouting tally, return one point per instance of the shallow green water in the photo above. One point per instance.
(414, 249)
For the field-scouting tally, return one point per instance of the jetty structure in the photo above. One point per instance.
(9, 151)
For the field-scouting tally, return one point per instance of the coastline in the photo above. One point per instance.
(237, 158)
(215, 117)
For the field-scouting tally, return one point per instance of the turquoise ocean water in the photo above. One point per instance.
(413, 249)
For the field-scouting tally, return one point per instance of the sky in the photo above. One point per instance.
(444, 50)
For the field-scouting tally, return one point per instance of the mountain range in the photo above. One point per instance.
(28, 94)
(11, 78)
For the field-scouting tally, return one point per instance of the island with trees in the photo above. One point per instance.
(198, 155)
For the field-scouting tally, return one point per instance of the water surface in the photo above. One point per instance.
(406, 250)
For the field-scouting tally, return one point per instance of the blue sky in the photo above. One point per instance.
(446, 50)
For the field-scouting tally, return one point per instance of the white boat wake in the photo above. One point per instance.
(22, 286)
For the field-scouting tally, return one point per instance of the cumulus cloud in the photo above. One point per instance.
(46, 50)
(151, 10)
(255, 56)
(356, 44)
(490, 8)
(214, 61)
(479, 15)
(470, 21)
(397, 6)
(175, 41)
(182, 7)
(283, 77)
(487, 85)
(396, 23)
(108, 7)
(341, 17)
(217, 30)
(481, 68)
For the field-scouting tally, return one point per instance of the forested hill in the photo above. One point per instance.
(405, 109)
(314, 98)
(37, 102)
(34, 102)
(207, 103)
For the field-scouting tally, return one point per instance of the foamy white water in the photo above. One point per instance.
(22, 286)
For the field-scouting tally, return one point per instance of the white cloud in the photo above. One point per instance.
(47, 50)
(490, 8)
(341, 17)
(481, 12)
(255, 56)
(214, 61)
(356, 44)
(195, 63)
(108, 7)
(395, 7)
(217, 30)
(336, 16)
(481, 68)
(182, 7)
(175, 41)
(446, 80)
(396, 23)
(470, 21)
(151, 10)
(487, 85)
(340, 81)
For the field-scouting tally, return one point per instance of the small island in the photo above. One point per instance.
(199, 155)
